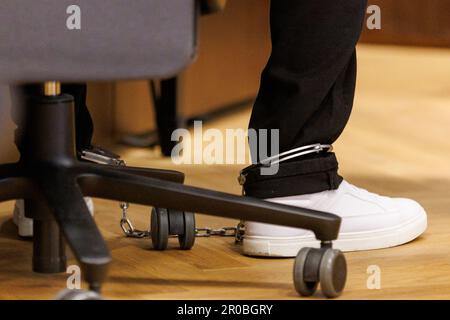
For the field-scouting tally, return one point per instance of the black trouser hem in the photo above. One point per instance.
(295, 178)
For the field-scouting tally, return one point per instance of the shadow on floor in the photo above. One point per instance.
(199, 282)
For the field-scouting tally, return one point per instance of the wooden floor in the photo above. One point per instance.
(396, 143)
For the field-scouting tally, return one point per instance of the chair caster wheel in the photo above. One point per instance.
(305, 287)
(159, 228)
(333, 273)
(69, 294)
(166, 222)
(187, 239)
(327, 266)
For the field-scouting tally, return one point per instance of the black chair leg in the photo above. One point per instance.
(13, 184)
(65, 200)
(167, 175)
(49, 254)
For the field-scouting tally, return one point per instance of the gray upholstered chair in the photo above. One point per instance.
(48, 41)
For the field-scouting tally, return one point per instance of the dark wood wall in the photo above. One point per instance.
(412, 22)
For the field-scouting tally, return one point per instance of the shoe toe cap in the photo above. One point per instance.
(410, 209)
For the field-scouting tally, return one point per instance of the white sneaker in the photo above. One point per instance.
(25, 225)
(369, 221)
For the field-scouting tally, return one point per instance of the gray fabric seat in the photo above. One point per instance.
(150, 38)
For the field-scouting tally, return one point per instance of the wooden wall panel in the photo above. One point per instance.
(412, 22)
(101, 106)
(234, 47)
(9, 151)
(133, 108)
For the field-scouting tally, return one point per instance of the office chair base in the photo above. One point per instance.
(54, 183)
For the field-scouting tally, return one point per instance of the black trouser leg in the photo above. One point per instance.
(307, 90)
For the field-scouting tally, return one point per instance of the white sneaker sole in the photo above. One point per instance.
(356, 241)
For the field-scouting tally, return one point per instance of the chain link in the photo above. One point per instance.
(240, 232)
(222, 232)
(236, 232)
(127, 226)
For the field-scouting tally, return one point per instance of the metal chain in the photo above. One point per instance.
(128, 229)
(236, 232)
(127, 226)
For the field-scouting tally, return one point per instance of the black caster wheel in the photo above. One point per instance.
(305, 287)
(68, 294)
(160, 228)
(187, 239)
(168, 222)
(333, 273)
(326, 265)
